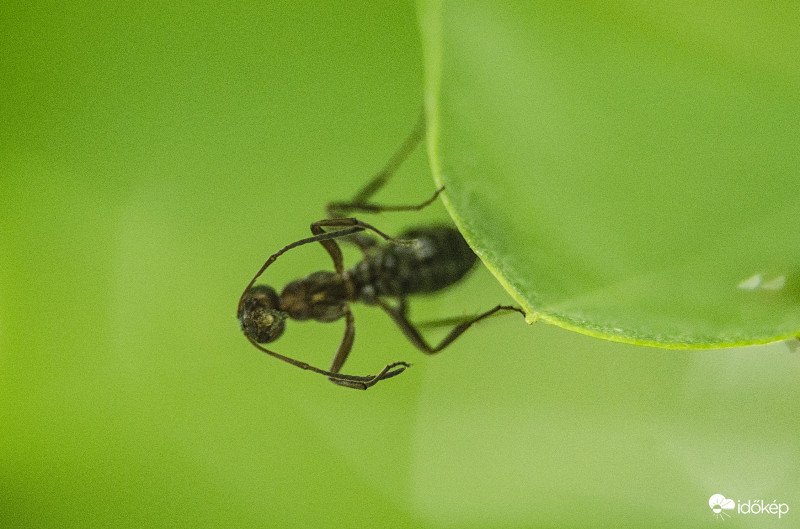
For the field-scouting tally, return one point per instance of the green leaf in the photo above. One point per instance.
(628, 171)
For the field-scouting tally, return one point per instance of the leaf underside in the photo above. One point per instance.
(628, 172)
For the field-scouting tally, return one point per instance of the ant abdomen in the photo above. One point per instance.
(438, 258)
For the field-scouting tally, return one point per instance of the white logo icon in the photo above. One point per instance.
(719, 504)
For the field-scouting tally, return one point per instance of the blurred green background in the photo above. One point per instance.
(152, 157)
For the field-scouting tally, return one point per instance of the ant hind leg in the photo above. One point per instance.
(398, 315)
(361, 201)
(340, 209)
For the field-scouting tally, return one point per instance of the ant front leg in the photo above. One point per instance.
(345, 346)
(343, 351)
(398, 315)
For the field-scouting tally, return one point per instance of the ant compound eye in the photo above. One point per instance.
(260, 318)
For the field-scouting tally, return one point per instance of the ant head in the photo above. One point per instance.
(260, 317)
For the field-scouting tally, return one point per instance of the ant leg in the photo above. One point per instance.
(346, 344)
(360, 202)
(350, 381)
(340, 209)
(344, 350)
(330, 246)
(324, 236)
(350, 226)
(379, 180)
(398, 315)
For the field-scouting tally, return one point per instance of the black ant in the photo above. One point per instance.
(421, 260)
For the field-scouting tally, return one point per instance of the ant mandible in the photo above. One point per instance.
(421, 260)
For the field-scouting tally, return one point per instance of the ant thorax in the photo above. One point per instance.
(321, 296)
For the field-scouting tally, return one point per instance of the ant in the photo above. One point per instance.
(421, 260)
